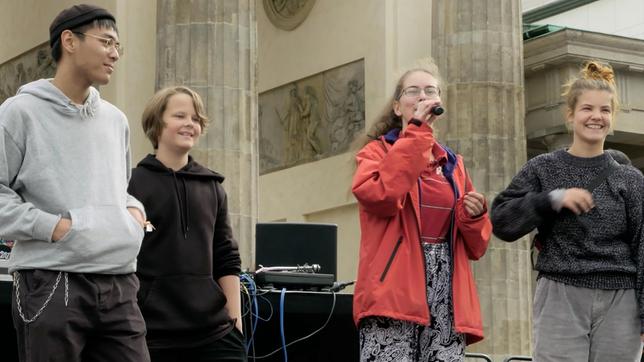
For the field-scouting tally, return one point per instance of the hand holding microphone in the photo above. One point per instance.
(428, 110)
(438, 110)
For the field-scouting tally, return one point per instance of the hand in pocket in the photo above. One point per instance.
(137, 215)
(62, 228)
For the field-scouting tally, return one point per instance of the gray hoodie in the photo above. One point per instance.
(56, 159)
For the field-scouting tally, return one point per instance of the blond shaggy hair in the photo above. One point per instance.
(152, 119)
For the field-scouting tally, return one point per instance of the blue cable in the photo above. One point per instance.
(256, 307)
(254, 316)
(244, 277)
(282, 324)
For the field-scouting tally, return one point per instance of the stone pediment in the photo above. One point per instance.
(570, 45)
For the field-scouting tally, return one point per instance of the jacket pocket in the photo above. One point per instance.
(182, 303)
(391, 259)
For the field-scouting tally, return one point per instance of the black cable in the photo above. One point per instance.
(262, 297)
(338, 286)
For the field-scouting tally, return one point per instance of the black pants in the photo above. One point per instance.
(101, 321)
(229, 348)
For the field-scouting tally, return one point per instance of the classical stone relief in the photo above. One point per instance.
(34, 64)
(311, 118)
(347, 115)
(287, 14)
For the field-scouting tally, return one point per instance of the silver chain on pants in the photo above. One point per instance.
(16, 284)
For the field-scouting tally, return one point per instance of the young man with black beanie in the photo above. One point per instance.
(64, 172)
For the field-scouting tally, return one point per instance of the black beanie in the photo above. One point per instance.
(74, 17)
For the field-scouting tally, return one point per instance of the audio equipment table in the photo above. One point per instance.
(304, 313)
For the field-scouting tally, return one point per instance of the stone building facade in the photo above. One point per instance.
(289, 83)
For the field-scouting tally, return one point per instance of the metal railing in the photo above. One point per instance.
(479, 356)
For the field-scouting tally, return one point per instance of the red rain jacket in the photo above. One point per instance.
(391, 272)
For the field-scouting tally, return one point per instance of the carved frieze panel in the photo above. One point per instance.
(312, 118)
(32, 65)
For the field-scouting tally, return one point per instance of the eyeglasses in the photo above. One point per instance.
(108, 43)
(414, 91)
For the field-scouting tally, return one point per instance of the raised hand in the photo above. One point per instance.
(424, 110)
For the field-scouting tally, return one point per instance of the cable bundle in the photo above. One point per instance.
(249, 288)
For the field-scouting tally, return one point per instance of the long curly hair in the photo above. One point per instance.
(387, 119)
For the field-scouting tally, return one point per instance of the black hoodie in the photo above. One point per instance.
(180, 261)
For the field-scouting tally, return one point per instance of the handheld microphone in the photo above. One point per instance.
(438, 110)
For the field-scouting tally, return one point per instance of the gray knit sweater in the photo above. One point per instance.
(603, 249)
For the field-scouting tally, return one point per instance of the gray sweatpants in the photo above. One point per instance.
(580, 324)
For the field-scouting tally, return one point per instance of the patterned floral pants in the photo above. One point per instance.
(385, 339)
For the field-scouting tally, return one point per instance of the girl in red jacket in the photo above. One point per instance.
(421, 222)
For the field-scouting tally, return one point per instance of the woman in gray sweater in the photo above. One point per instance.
(588, 300)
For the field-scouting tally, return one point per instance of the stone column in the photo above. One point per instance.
(479, 50)
(210, 46)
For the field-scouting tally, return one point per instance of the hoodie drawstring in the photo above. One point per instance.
(88, 110)
(183, 206)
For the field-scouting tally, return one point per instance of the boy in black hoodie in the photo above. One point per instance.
(189, 261)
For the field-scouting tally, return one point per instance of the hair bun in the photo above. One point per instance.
(596, 70)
